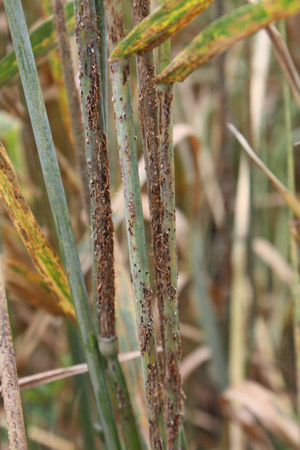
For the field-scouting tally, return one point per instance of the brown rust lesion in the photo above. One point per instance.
(98, 167)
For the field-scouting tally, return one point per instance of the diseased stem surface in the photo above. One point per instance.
(159, 158)
(98, 165)
(88, 41)
(9, 378)
(58, 202)
(135, 227)
(130, 434)
(148, 111)
(170, 316)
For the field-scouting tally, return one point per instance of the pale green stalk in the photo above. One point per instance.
(87, 37)
(240, 289)
(73, 100)
(135, 227)
(58, 202)
(169, 315)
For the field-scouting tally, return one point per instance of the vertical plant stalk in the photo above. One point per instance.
(87, 38)
(9, 378)
(56, 71)
(240, 295)
(119, 72)
(72, 95)
(169, 296)
(98, 165)
(81, 384)
(58, 202)
(101, 25)
(148, 111)
(293, 244)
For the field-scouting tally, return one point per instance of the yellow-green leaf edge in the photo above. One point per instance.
(217, 37)
(165, 21)
(42, 254)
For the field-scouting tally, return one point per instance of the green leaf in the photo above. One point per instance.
(58, 202)
(42, 254)
(165, 21)
(43, 39)
(231, 28)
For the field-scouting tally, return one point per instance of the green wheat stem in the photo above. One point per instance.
(135, 227)
(58, 202)
(87, 37)
(169, 310)
(148, 113)
(81, 384)
(73, 100)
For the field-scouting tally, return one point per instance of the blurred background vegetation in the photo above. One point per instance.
(235, 275)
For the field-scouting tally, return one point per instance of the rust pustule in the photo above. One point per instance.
(98, 166)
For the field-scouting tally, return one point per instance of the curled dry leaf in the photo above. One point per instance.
(249, 402)
(25, 284)
(194, 360)
(271, 256)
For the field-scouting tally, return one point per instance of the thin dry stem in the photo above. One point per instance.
(9, 378)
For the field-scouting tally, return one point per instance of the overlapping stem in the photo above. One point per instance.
(160, 179)
(148, 111)
(169, 297)
(72, 93)
(9, 378)
(135, 227)
(88, 42)
(58, 202)
(98, 165)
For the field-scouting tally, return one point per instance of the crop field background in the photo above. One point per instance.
(228, 272)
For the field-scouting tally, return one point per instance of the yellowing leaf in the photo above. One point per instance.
(289, 198)
(165, 21)
(42, 254)
(231, 28)
(26, 285)
(42, 40)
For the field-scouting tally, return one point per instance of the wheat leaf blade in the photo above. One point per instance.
(43, 39)
(42, 254)
(164, 22)
(217, 37)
